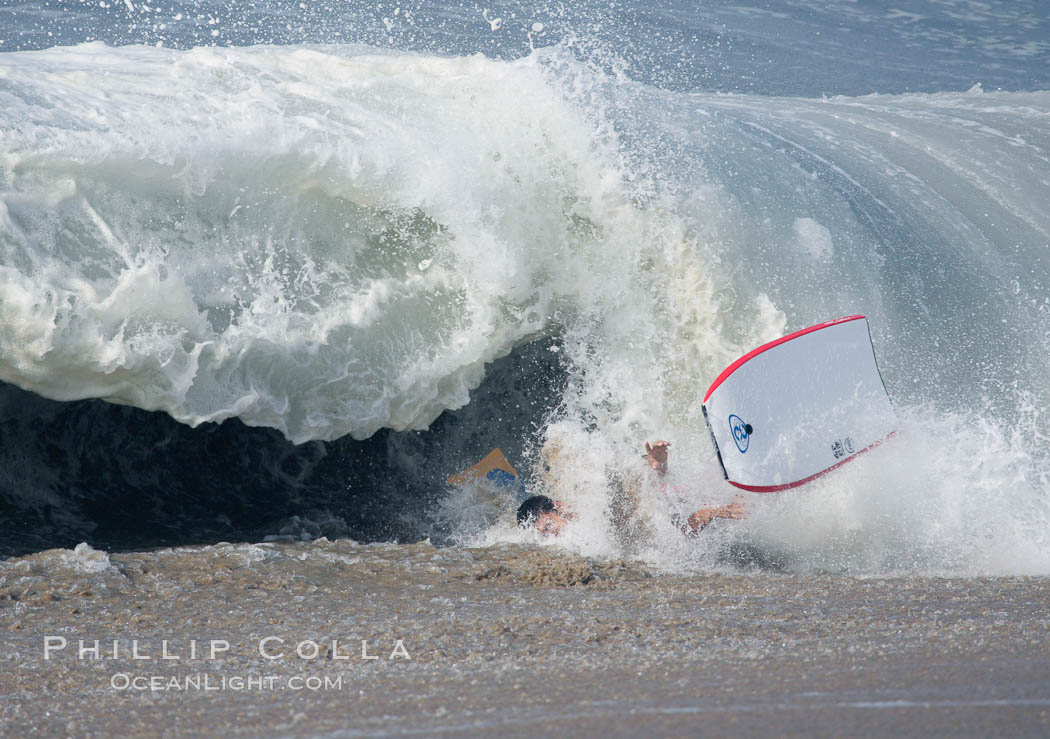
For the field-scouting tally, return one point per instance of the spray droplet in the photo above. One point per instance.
(494, 23)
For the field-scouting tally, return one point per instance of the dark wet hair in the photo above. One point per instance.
(533, 507)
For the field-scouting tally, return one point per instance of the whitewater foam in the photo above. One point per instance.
(215, 233)
(330, 240)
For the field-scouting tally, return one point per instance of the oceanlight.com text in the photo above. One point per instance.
(210, 682)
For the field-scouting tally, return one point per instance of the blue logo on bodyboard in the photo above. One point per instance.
(741, 432)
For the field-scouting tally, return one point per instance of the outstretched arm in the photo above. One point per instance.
(656, 455)
(704, 516)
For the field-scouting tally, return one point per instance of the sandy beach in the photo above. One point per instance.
(335, 638)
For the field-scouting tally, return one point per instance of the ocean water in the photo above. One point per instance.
(278, 270)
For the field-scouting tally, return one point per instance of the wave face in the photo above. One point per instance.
(331, 240)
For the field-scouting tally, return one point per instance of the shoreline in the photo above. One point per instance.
(509, 638)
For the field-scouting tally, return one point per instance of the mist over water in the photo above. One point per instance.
(334, 243)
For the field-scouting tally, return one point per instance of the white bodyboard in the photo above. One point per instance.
(798, 407)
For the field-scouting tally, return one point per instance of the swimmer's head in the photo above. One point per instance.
(544, 514)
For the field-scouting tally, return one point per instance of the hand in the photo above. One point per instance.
(656, 454)
(730, 510)
(701, 518)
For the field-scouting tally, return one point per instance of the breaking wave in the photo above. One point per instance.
(333, 240)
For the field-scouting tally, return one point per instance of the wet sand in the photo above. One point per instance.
(509, 640)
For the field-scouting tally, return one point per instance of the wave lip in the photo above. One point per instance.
(313, 239)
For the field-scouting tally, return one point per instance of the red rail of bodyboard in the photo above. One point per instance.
(766, 347)
(787, 485)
